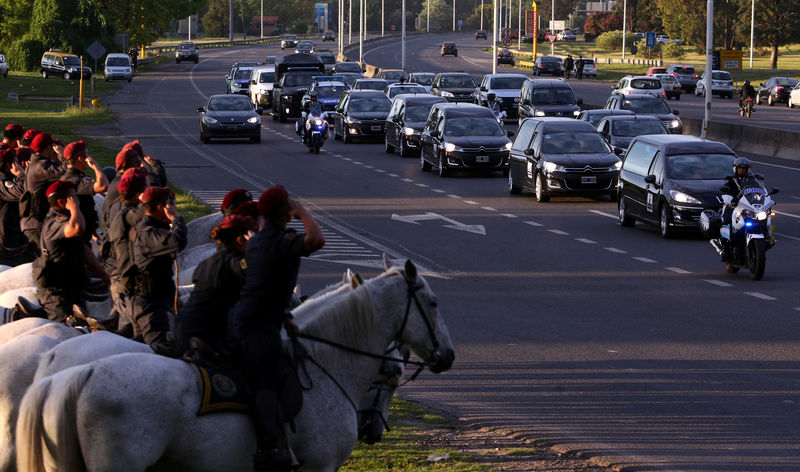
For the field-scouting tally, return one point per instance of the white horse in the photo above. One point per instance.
(199, 229)
(88, 413)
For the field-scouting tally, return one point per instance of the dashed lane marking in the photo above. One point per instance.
(407, 180)
(718, 283)
(451, 195)
(615, 250)
(677, 270)
(585, 241)
(393, 175)
(422, 185)
(643, 259)
(510, 215)
(358, 163)
(558, 232)
(602, 213)
(470, 202)
(533, 223)
(438, 190)
(489, 208)
(380, 171)
(368, 167)
(760, 296)
(347, 158)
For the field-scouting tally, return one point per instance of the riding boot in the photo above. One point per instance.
(269, 456)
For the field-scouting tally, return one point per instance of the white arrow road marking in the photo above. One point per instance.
(414, 219)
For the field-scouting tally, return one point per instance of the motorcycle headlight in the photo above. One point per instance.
(576, 113)
(538, 113)
(761, 215)
(209, 121)
(253, 120)
(408, 131)
(674, 123)
(681, 197)
(508, 146)
(447, 94)
(318, 122)
(552, 166)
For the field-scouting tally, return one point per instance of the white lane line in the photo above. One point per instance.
(585, 241)
(338, 155)
(407, 180)
(558, 232)
(393, 175)
(368, 167)
(795, 196)
(797, 308)
(422, 185)
(677, 270)
(760, 296)
(787, 236)
(489, 208)
(602, 213)
(347, 158)
(643, 259)
(533, 223)
(470, 202)
(776, 165)
(452, 195)
(787, 214)
(615, 250)
(510, 215)
(380, 170)
(438, 190)
(718, 283)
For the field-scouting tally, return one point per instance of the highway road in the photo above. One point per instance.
(569, 329)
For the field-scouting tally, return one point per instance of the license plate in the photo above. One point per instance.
(482, 159)
(375, 127)
(589, 180)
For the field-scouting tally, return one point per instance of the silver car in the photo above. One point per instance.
(721, 84)
(3, 66)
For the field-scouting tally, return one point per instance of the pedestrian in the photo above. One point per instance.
(12, 135)
(77, 160)
(134, 55)
(45, 168)
(569, 62)
(12, 186)
(218, 283)
(59, 271)
(579, 68)
(273, 262)
(160, 236)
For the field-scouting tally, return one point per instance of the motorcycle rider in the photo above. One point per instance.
(734, 184)
(746, 91)
(313, 105)
(493, 104)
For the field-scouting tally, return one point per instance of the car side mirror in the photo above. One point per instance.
(650, 179)
(201, 109)
(259, 110)
(434, 133)
(483, 89)
(619, 151)
(774, 191)
(529, 152)
(676, 112)
(510, 134)
(580, 101)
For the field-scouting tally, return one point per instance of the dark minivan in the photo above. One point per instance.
(548, 97)
(406, 120)
(669, 180)
(647, 105)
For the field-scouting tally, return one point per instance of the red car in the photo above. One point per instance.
(449, 48)
(656, 70)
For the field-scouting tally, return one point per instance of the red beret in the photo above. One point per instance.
(74, 149)
(126, 158)
(16, 128)
(244, 223)
(156, 194)
(247, 209)
(135, 146)
(30, 134)
(272, 198)
(132, 181)
(7, 155)
(24, 154)
(234, 198)
(41, 142)
(59, 185)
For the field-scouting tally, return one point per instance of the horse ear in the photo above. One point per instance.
(348, 276)
(411, 271)
(386, 265)
(356, 280)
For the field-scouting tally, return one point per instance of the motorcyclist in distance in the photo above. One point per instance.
(746, 91)
(492, 103)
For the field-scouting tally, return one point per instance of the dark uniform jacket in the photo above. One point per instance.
(84, 188)
(61, 265)
(153, 251)
(120, 231)
(40, 174)
(11, 189)
(156, 178)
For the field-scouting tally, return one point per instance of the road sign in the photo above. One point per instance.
(731, 59)
(393, 28)
(96, 50)
(507, 33)
(557, 25)
(507, 41)
(715, 62)
(530, 20)
(650, 39)
(460, 23)
(551, 37)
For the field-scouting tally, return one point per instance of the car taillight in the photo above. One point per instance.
(777, 87)
(695, 76)
(674, 74)
(628, 92)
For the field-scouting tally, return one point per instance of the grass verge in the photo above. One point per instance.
(403, 447)
(32, 84)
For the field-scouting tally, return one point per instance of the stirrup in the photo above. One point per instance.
(92, 322)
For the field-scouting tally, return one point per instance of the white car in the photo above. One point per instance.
(589, 68)
(392, 90)
(262, 80)
(117, 66)
(721, 84)
(794, 97)
(3, 66)
(639, 85)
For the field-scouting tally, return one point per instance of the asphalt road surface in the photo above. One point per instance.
(604, 340)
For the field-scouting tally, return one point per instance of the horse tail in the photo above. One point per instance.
(30, 428)
(69, 456)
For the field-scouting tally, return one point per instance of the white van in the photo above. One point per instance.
(118, 66)
(262, 80)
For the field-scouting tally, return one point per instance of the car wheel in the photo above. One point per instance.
(789, 103)
(388, 148)
(423, 164)
(66, 75)
(177, 61)
(624, 218)
(196, 60)
(541, 192)
(346, 138)
(281, 117)
(442, 167)
(770, 102)
(105, 79)
(130, 79)
(44, 74)
(664, 222)
(513, 188)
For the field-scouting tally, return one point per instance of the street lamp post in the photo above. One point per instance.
(709, 66)
(190, 38)
(481, 14)
(428, 24)
(361, 33)
(519, 27)
(624, 22)
(752, 27)
(454, 15)
(230, 20)
(552, 27)
(494, 37)
(382, 20)
(403, 37)
(262, 18)
(350, 22)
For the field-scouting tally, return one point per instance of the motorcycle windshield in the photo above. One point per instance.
(754, 195)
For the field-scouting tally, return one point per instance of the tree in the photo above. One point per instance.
(682, 19)
(215, 21)
(600, 22)
(775, 24)
(16, 20)
(70, 25)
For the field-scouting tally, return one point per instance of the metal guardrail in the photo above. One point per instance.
(221, 44)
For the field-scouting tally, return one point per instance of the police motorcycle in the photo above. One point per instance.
(313, 129)
(743, 240)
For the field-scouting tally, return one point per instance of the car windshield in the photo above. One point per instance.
(186, 46)
(457, 82)
(232, 103)
(785, 81)
(331, 91)
(551, 62)
(508, 83)
(370, 104)
(646, 106)
(327, 58)
(574, 143)
(371, 85)
(684, 70)
(394, 75)
(449, 45)
(553, 96)
(473, 126)
(418, 113)
(71, 61)
(117, 61)
(631, 128)
(595, 118)
(646, 84)
(242, 74)
(348, 67)
(270, 60)
(423, 79)
(666, 78)
(398, 90)
(699, 166)
(721, 76)
(290, 36)
(296, 80)
(266, 78)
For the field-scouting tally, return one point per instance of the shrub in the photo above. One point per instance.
(25, 55)
(611, 40)
(642, 52)
(672, 50)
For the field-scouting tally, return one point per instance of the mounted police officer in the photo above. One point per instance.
(273, 261)
(78, 159)
(218, 282)
(160, 236)
(60, 272)
(12, 186)
(44, 169)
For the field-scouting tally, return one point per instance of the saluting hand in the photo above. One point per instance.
(171, 211)
(295, 208)
(71, 203)
(91, 162)
(17, 169)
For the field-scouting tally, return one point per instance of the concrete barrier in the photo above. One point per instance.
(749, 139)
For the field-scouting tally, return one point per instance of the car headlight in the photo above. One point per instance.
(617, 165)
(576, 113)
(552, 166)
(507, 146)
(674, 123)
(447, 94)
(253, 120)
(762, 215)
(538, 113)
(681, 197)
(127, 70)
(450, 147)
(351, 121)
(209, 121)
(408, 131)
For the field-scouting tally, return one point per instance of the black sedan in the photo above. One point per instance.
(505, 57)
(329, 36)
(566, 157)
(548, 65)
(619, 131)
(647, 105)
(449, 48)
(230, 116)
(406, 121)
(361, 114)
(775, 90)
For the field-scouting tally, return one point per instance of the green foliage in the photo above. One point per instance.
(776, 24)
(70, 25)
(611, 40)
(601, 22)
(441, 15)
(673, 50)
(25, 55)
(215, 21)
(15, 16)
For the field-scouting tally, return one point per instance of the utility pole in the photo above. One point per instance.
(454, 15)
(190, 38)
(481, 14)
(428, 25)
(494, 36)
(230, 20)
(403, 37)
(752, 27)
(709, 66)
(624, 22)
(519, 28)
(262, 19)
(350, 23)
(382, 20)
(553, 27)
